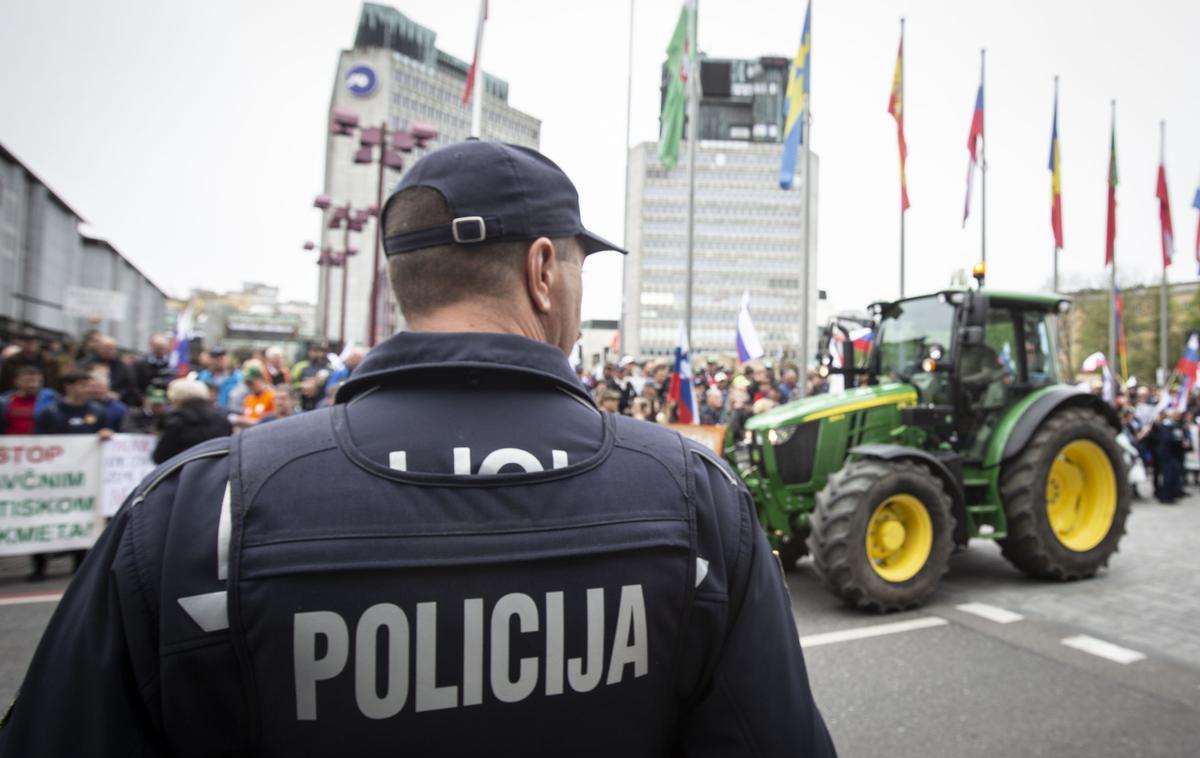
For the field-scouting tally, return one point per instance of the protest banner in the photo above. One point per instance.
(49, 493)
(125, 462)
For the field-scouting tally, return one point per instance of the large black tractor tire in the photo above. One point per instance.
(847, 522)
(1066, 498)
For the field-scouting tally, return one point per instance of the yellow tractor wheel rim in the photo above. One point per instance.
(1081, 495)
(899, 538)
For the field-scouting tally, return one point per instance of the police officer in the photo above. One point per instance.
(462, 557)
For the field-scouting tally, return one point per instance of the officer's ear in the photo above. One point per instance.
(541, 273)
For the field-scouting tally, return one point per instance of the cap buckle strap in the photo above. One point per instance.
(468, 229)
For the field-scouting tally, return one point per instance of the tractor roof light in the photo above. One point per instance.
(929, 365)
(1064, 306)
(979, 272)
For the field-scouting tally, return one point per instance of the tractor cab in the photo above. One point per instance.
(971, 355)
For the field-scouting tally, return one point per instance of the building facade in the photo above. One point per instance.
(251, 319)
(395, 75)
(43, 255)
(749, 234)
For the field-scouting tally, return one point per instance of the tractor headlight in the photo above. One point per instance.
(780, 436)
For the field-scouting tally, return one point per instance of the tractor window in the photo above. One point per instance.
(908, 331)
(986, 370)
(1041, 352)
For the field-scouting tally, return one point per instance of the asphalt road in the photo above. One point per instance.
(948, 681)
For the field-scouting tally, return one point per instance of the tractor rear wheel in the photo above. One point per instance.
(882, 534)
(1066, 498)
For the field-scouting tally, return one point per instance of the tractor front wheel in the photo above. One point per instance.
(882, 534)
(1066, 498)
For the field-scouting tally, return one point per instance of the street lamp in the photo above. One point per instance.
(325, 260)
(392, 143)
(349, 219)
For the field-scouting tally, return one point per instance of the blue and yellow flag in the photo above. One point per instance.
(796, 103)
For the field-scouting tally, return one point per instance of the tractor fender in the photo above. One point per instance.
(939, 468)
(1019, 424)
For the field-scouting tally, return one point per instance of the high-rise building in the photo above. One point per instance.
(749, 234)
(395, 74)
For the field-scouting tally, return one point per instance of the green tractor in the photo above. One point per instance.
(962, 428)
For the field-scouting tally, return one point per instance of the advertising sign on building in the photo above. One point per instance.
(88, 302)
(361, 80)
(49, 493)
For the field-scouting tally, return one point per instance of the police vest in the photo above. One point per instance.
(391, 616)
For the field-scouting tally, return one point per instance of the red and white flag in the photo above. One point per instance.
(483, 14)
(972, 145)
(1164, 215)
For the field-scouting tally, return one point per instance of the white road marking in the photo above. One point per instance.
(33, 597)
(990, 612)
(1103, 649)
(866, 632)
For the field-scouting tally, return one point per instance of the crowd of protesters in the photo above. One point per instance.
(1164, 429)
(53, 387)
(725, 394)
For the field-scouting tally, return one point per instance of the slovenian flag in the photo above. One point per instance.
(749, 346)
(682, 390)
(972, 145)
(862, 339)
(1190, 359)
(1186, 367)
(796, 103)
(181, 343)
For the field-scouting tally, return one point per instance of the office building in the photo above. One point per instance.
(395, 75)
(749, 234)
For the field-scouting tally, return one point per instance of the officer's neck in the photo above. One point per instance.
(481, 316)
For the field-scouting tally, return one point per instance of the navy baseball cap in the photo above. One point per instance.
(496, 192)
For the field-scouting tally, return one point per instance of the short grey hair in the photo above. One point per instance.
(182, 390)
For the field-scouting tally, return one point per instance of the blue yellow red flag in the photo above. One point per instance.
(796, 103)
(1056, 180)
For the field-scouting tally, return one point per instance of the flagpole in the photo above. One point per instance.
(1162, 309)
(476, 89)
(1054, 168)
(902, 109)
(983, 164)
(693, 136)
(628, 119)
(1112, 284)
(805, 326)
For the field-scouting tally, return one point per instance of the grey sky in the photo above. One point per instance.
(192, 134)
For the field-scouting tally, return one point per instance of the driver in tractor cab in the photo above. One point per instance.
(984, 379)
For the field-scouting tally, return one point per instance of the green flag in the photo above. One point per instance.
(671, 119)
